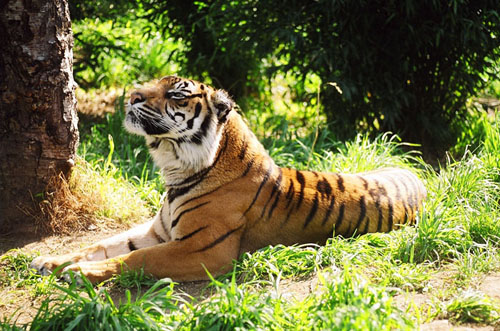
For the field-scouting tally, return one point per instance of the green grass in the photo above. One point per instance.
(454, 244)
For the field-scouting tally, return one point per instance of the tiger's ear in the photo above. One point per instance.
(223, 104)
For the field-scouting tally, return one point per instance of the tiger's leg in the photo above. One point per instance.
(180, 260)
(144, 235)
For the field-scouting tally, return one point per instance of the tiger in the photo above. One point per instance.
(225, 195)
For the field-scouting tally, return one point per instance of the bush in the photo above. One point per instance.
(407, 67)
(112, 47)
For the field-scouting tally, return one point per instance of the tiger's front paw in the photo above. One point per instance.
(44, 265)
(94, 271)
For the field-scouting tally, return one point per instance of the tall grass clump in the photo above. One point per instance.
(89, 309)
(350, 302)
(472, 306)
(462, 211)
(93, 193)
(113, 197)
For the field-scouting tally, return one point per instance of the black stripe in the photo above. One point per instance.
(375, 194)
(189, 235)
(324, 188)
(158, 237)
(417, 192)
(415, 181)
(340, 217)
(219, 240)
(367, 223)
(177, 219)
(362, 214)
(203, 172)
(164, 226)
(290, 193)
(151, 108)
(287, 217)
(223, 119)
(131, 245)
(407, 194)
(328, 211)
(313, 211)
(155, 143)
(202, 132)
(412, 191)
(390, 213)
(105, 253)
(264, 181)
(195, 198)
(275, 189)
(169, 115)
(243, 150)
(340, 183)
(151, 126)
(301, 180)
(409, 197)
(380, 214)
(197, 110)
(399, 197)
(275, 203)
(249, 166)
(174, 193)
(365, 183)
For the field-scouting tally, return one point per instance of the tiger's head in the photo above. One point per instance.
(178, 109)
(181, 120)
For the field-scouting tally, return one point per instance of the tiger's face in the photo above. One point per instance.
(177, 109)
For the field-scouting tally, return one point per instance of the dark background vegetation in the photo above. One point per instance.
(403, 66)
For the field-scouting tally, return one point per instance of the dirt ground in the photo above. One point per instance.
(22, 304)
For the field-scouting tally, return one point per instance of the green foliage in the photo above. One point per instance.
(478, 130)
(91, 309)
(351, 303)
(234, 307)
(471, 306)
(118, 53)
(407, 67)
(17, 273)
(279, 262)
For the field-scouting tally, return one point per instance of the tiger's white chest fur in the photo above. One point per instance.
(178, 160)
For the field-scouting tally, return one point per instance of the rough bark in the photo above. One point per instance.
(38, 121)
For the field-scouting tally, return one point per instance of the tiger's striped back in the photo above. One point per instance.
(287, 206)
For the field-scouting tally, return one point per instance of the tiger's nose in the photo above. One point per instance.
(136, 97)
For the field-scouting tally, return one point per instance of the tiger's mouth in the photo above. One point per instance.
(143, 125)
(132, 123)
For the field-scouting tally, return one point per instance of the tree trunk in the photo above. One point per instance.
(38, 121)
